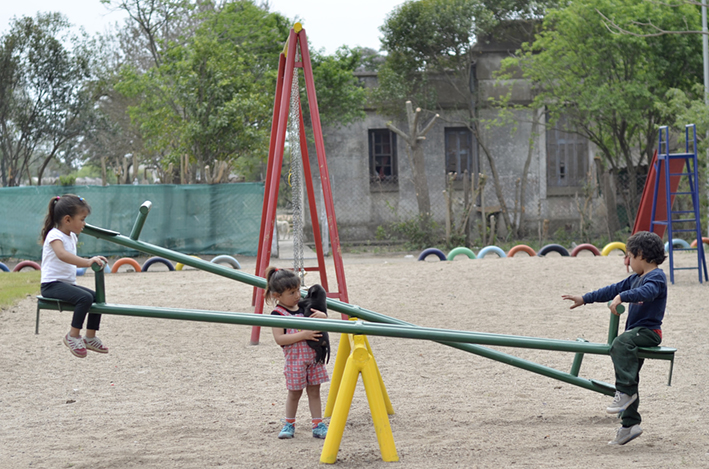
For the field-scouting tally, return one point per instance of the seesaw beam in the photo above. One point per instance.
(462, 340)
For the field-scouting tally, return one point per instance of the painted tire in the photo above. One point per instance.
(521, 248)
(426, 252)
(612, 247)
(80, 271)
(24, 264)
(704, 241)
(677, 242)
(125, 260)
(161, 260)
(461, 250)
(553, 248)
(180, 265)
(226, 259)
(488, 249)
(4, 268)
(585, 247)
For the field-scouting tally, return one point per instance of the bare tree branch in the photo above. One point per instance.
(615, 28)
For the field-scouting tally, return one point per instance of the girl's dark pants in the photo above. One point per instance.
(80, 297)
(624, 353)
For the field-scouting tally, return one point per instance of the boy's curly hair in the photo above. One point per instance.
(648, 245)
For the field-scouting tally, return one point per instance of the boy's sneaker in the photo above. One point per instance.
(95, 345)
(320, 431)
(621, 402)
(76, 345)
(287, 431)
(626, 434)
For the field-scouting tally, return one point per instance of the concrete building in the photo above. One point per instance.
(371, 176)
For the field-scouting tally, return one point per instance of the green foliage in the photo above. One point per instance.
(341, 97)
(418, 232)
(212, 97)
(606, 84)
(67, 180)
(46, 94)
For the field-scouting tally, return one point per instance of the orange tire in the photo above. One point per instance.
(125, 260)
(521, 247)
(704, 241)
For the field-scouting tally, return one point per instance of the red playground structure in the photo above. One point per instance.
(297, 45)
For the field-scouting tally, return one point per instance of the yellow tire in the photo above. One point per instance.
(612, 247)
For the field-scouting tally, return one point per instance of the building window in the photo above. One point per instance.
(460, 152)
(383, 168)
(567, 157)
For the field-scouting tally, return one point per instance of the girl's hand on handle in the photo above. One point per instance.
(100, 260)
(577, 299)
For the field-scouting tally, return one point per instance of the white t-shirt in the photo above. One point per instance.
(53, 268)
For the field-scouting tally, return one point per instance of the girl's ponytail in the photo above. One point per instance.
(49, 218)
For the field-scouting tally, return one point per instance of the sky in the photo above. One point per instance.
(328, 24)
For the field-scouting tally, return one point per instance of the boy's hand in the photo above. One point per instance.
(317, 314)
(614, 304)
(577, 299)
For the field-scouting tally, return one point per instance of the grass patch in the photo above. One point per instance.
(17, 285)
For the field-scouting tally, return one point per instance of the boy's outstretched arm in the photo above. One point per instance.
(577, 299)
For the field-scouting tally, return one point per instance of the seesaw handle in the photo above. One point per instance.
(613, 326)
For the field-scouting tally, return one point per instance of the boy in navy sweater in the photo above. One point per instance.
(646, 293)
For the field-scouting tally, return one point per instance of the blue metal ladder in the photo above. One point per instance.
(685, 220)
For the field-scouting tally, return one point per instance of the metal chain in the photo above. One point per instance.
(296, 178)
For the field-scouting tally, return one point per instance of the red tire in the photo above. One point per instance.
(125, 260)
(585, 247)
(23, 264)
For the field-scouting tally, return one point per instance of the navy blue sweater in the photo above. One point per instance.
(646, 295)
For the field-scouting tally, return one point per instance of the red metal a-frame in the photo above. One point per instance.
(286, 68)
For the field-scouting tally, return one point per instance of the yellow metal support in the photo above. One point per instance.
(358, 361)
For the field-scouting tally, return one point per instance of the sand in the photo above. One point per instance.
(176, 394)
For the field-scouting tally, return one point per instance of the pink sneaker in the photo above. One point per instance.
(95, 345)
(76, 346)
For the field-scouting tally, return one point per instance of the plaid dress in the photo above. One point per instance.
(300, 367)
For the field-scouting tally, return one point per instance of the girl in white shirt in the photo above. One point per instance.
(66, 217)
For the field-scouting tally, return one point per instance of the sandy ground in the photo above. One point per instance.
(175, 394)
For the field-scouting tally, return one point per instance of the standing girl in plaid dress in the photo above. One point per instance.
(301, 369)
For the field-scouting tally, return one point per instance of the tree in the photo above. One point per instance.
(606, 84)
(432, 40)
(414, 152)
(209, 96)
(46, 94)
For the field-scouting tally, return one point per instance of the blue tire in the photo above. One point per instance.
(553, 248)
(226, 259)
(81, 271)
(426, 252)
(676, 242)
(4, 268)
(488, 249)
(155, 259)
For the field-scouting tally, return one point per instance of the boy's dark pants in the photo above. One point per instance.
(80, 297)
(624, 353)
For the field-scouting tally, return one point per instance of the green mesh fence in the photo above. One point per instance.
(191, 219)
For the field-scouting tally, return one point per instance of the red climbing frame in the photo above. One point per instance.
(287, 66)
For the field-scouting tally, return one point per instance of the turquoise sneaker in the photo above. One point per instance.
(287, 431)
(320, 431)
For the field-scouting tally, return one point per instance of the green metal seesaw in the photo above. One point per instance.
(378, 324)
